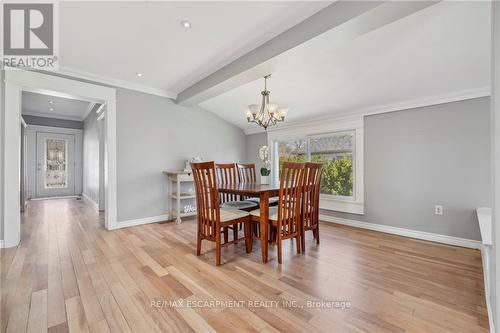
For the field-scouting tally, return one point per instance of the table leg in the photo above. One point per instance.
(264, 222)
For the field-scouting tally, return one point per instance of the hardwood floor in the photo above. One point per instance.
(69, 274)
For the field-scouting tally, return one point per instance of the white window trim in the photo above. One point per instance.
(353, 205)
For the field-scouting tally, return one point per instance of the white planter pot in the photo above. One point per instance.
(264, 180)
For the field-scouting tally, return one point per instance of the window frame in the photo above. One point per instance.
(353, 152)
(307, 130)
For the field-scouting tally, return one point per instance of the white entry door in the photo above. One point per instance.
(55, 168)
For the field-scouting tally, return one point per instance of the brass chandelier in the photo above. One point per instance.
(267, 114)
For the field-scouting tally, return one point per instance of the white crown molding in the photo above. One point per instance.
(145, 220)
(49, 115)
(76, 73)
(428, 236)
(52, 129)
(256, 130)
(427, 101)
(399, 106)
(318, 126)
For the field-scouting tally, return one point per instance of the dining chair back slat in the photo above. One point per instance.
(291, 184)
(207, 203)
(227, 174)
(246, 173)
(289, 204)
(310, 207)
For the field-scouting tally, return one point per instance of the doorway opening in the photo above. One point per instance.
(63, 149)
(45, 158)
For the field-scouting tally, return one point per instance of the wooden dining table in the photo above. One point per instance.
(261, 191)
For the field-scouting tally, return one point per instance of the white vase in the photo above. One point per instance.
(264, 180)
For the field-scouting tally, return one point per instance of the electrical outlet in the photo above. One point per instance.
(438, 210)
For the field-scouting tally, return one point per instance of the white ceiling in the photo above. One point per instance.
(119, 39)
(36, 104)
(441, 50)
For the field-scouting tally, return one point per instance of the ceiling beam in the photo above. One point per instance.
(361, 17)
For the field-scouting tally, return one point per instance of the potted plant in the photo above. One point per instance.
(265, 170)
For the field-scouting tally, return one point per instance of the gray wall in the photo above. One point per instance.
(155, 134)
(91, 157)
(418, 158)
(253, 144)
(54, 122)
(415, 159)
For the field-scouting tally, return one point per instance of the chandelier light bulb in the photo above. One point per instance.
(254, 109)
(271, 108)
(282, 112)
(248, 115)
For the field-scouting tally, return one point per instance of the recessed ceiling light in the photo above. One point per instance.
(51, 101)
(51, 109)
(138, 74)
(186, 24)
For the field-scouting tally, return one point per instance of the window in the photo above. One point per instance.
(335, 152)
(292, 151)
(335, 142)
(56, 175)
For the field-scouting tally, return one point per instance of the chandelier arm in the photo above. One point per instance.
(268, 121)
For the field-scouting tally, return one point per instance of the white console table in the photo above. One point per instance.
(176, 195)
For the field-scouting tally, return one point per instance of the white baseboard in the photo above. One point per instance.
(54, 198)
(1, 244)
(145, 220)
(438, 238)
(90, 201)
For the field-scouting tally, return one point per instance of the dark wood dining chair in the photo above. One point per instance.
(227, 174)
(285, 217)
(212, 219)
(246, 173)
(310, 200)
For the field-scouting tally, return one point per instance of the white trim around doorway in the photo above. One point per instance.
(17, 81)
